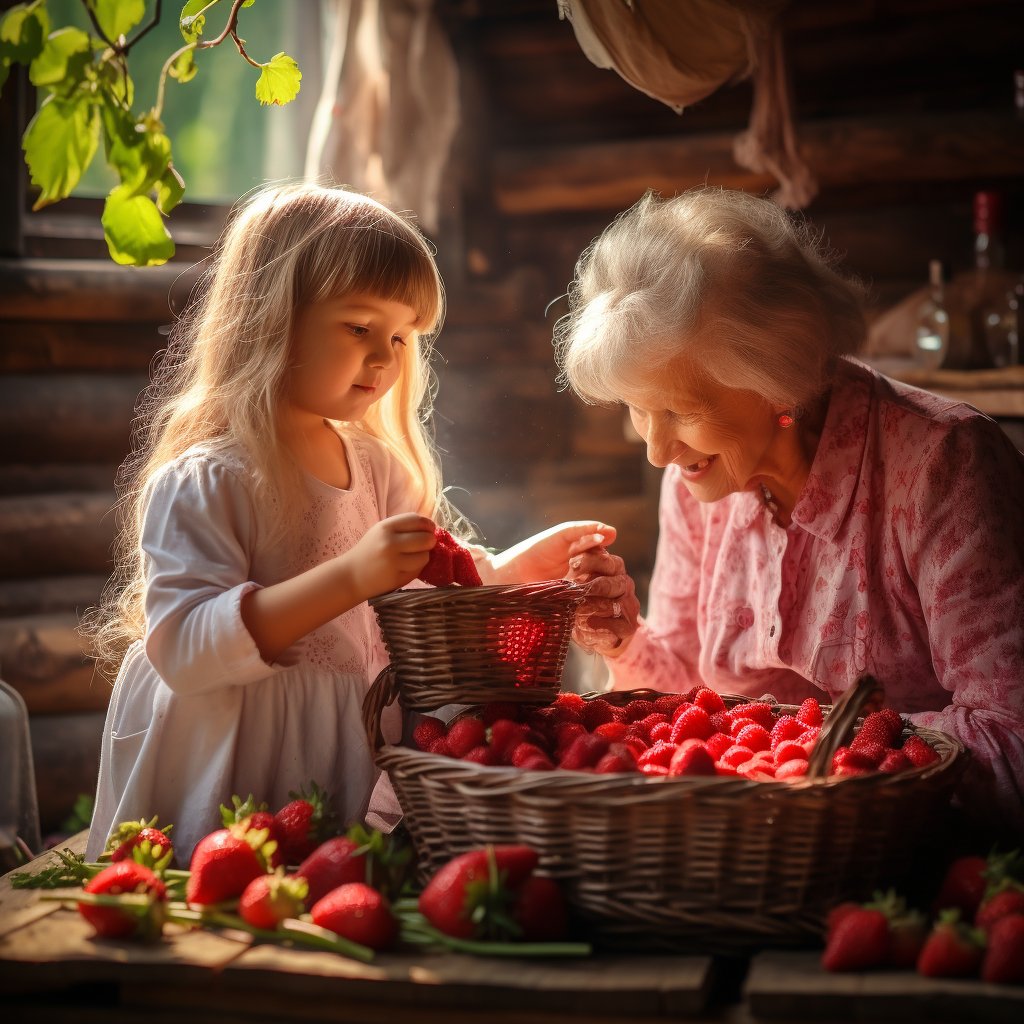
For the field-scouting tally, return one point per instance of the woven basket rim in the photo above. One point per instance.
(453, 592)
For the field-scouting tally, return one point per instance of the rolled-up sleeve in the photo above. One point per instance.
(664, 651)
(198, 533)
(964, 540)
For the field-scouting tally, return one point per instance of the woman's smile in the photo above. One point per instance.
(698, 469)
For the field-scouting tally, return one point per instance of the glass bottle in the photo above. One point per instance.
(932, 339)
(994, 312)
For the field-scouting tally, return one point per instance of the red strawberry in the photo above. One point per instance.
(789, 751)
(870, 751)
(718, 744)
(483, 879)
(756, 737)
(357, 913)
(737, 723)
(537, 763)
(428, 732)
(952, 950)
(894, 761)
(336, 862)
(482, 755)
(585, 752)
(150, 846)
(256, 817)
(760, 712)
(660, 753)
(810, 713)
(618, 759)
(269, 899)
(667, 703)
(464, 570)
(525, 751)
(891, 719)
(598, 711)
(568, 731)
(710, 701)
(654, 769)
(919, 752)
(440, 747)
(645, 725)
(794, 769)
(126, 877)
(464, 735)
(736, 755)
(860, 940)
(836, 914)
(721, 721)
(499, 709)
(847, 757)
(786, 728)
(963, 886)
(225, 862)
(440, 570)
(539, 910)
(635, 710)
(572, 704)
(1004, 959)
(661, 732)
(1008, 900)
(692, 758)
(612, 731)
(505, 735)
(877, 728)
(305, 823)
(693, 724)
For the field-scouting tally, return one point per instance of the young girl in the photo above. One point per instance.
(286, 476)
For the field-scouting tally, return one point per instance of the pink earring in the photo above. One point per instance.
(785, 420)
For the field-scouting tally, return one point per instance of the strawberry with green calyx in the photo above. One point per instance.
(387, 862)
(241, 809)
(963, 886)
(305, 823)
(1005, 898)
(859, 941)
(908, 929)
(471, 895)
(125, 899)
(226, 861)
(358, 913)
(339, 861)
(1004, 958)
(142, 842)
(952, 950)
(270, 899)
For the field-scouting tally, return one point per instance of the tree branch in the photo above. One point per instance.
(241, 50)
(153, 24)
(229, 28)
(96, 25)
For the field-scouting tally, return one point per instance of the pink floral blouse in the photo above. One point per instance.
(905, 558)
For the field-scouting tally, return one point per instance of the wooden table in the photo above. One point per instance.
(50, 966)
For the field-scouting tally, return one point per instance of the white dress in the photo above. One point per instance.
(196, 714)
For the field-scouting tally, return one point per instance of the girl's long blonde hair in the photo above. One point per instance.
(223, 375)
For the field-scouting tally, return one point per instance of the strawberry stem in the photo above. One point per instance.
(416, 930)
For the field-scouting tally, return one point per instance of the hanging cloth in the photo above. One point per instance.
(679, 51)
(389, 107)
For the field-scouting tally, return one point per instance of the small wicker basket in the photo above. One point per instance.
(728, 861)
(476, 644)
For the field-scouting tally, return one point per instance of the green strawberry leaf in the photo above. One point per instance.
(134, 230)
(61, 64)
(191, 22)
(118, 17)
(23, 32)
(59, 144)
(279, 80)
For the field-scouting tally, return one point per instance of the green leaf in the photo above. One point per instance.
(118, 17)
(23, 32)
(134, 230)
(118, 83)
(61, 64)
(170, 190)
(184, 68)
(279, 80)
(59, 143)
(191, 22)
(139, 154)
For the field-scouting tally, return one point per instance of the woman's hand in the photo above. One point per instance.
(607, 618)
(545, 556)
(388, 556)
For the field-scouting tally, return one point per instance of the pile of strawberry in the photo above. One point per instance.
(884, 933)
(676, 734)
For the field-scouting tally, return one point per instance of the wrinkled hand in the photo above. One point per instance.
(389, 555)
(545, 556)
(607, 618)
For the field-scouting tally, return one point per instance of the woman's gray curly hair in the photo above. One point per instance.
(728, 279)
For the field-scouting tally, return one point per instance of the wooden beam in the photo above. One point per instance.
(840, 152)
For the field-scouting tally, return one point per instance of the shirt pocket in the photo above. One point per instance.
(124, 754)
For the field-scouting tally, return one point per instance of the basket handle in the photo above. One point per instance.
(839, 723)
(380, 695)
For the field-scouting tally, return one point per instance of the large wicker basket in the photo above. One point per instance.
(726, 860)
(475, 644)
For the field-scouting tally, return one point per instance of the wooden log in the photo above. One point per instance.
(45, 478)
(51, 289)
(50, 594)
(44, 658)
(66, 753)
(67, 417)
(50, 534)
(840, 151)
(68, 345)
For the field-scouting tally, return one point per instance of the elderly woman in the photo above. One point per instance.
(818, 520)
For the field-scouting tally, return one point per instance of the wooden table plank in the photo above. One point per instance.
(794, 986)
(19, 907)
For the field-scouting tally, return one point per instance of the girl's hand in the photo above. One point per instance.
(545, 556)
(607, 618)
(389, 555)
